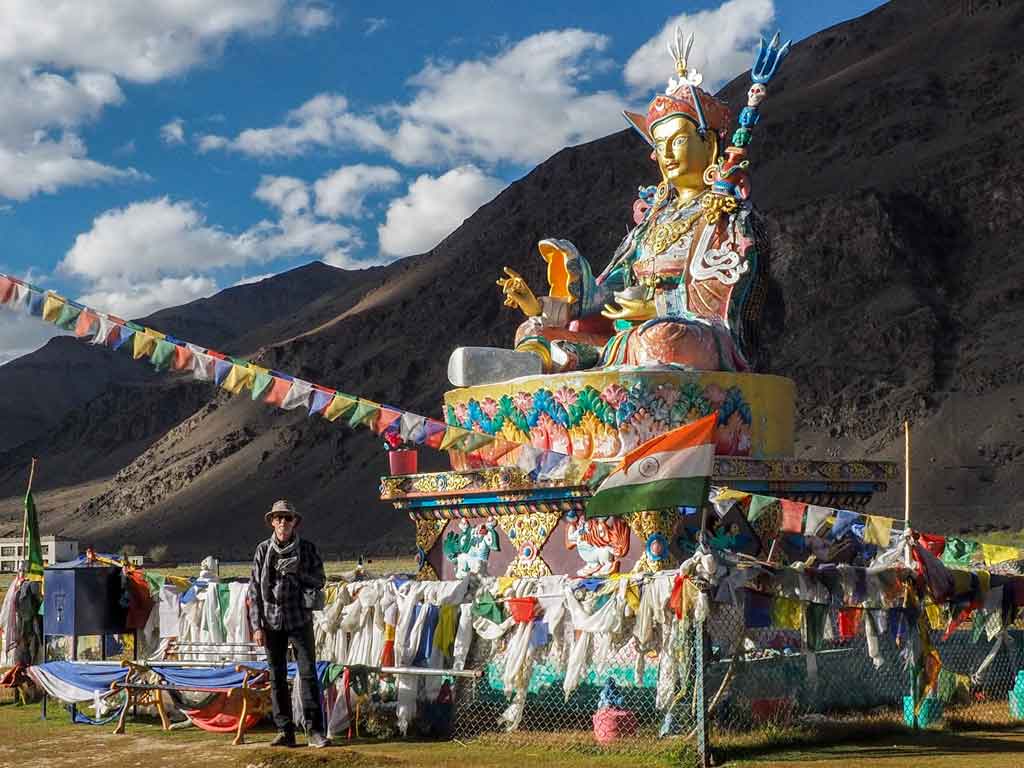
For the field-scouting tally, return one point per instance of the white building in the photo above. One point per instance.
(55, 550)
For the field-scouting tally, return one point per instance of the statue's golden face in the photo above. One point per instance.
(682, 154)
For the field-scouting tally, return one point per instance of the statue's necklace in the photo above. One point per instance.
(661, 237)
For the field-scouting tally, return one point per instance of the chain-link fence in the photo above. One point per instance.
(772, 670)
(609, 694)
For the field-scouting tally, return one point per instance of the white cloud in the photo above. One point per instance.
(148, 240)
(60, 62)
(286, 193)
(375, 24)
(724, 42)
(520, 105)
(310, 18)
(140, 299)
(159, 253)
(433, 208)
(343, 192)
(323, 121)
(250, 279)
(21, 334)
(173, 132)
(46, 165)
(40, 150)
(209, 142)
(141, 40)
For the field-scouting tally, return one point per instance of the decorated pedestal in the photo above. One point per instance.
(500, 522)
(604, 414)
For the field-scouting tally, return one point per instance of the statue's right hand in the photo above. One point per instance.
(518, 293)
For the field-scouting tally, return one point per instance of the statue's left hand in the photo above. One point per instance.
(636, 310)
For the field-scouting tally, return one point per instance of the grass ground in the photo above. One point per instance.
(57, 743)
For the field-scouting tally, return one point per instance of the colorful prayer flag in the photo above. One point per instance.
(365, 413)
(163, 355)
(6, 289)
(34, 552)
(994, 554)
(792, 516)
(385, 418)
(298, 395)
(52, 305)
(182, 358)
(261, 383)
(221, 369)
(238, 379)
(670, 470)
(878, 530)
(758, 504)
(320, 401)
(815, 517)
(87, 320)
(340, 405)
(68, 317)
(278, 391)
(142, 345)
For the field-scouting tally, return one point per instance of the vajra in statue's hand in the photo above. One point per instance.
(518, 293)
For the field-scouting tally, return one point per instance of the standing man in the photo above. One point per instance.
(287, 577)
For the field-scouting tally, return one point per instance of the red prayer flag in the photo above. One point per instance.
(849, 623)
(934, 544)
(277, 392)
(86, 320)
(385, 419)
(182, 359)
(6, 289)
(792, 516)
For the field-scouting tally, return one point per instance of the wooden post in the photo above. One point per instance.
(906, 486)
(24, 519)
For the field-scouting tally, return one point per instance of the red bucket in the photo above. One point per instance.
(402, 462)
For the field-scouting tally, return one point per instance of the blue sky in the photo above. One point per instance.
(156, 151)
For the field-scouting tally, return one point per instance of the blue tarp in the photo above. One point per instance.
(90, 677)
(221, 677)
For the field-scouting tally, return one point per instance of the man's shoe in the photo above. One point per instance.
(318, 740)
(283, 739)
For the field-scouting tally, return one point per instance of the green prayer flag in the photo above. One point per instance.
(488, 608)
(958, 551)
(163, 355)
(758, 504)
(35, 549)
(68, 317)
(365, 413)
(260, 385)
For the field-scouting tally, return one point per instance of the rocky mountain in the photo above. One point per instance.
(894, 209)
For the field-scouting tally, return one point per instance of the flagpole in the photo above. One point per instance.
(906, 485)
(24, 515)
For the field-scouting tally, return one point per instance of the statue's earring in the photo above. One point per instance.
(711, 174)
(662, 193)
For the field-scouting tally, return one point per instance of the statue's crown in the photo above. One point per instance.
(683, 96)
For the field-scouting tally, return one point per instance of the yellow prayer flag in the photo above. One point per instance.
(936, 619)
(877, 530)
(786, 613)
(995, 553)
(340, 405)
(155, 334)
(52, 306)
(451, 436)
(728, 494)
(142, 345)
(238, 378)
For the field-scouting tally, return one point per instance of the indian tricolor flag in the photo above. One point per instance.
(670, 470)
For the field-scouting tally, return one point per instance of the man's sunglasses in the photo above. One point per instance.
(286, 518)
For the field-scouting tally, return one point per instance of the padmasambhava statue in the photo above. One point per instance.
(685, 287)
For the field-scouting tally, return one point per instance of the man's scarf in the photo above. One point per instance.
(285, 559)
